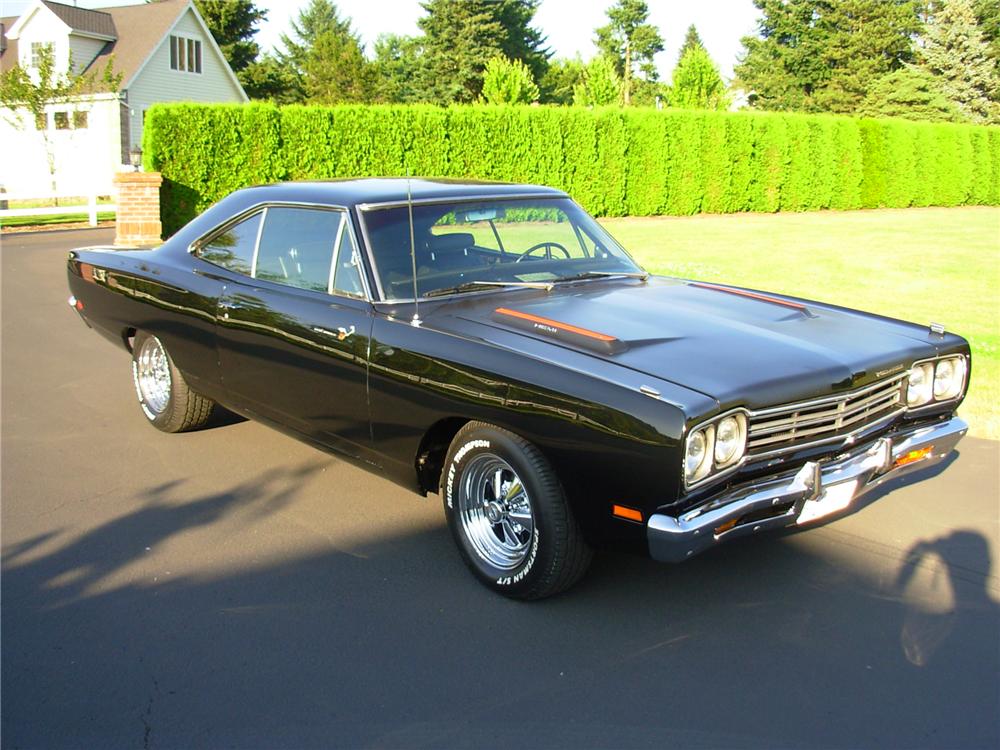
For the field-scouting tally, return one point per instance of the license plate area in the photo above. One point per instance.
(834, 498)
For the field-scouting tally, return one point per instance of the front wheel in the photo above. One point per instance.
(508, 514)
(164, 397)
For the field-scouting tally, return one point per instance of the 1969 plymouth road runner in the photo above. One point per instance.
(493, 343)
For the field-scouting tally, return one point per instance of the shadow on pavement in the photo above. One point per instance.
(758, 645)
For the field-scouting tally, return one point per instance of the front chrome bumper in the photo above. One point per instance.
(816, 493)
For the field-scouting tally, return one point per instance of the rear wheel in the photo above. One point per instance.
(508, 514)
(164, 397)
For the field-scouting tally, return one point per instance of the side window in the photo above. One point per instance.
(347, 275)
(296, 247)
(233, 249)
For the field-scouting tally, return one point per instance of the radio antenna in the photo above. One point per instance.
(413, 252)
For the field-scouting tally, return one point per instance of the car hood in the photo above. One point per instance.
(734, 345)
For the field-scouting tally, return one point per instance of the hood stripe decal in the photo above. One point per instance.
(555, 324)
(751, 295)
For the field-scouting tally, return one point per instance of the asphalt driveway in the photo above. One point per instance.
(235, 588)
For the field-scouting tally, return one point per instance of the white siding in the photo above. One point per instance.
(45, 27)
(85, 159)
(83, 50)
(158, 83)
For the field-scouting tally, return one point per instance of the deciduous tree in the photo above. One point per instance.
(30, 92)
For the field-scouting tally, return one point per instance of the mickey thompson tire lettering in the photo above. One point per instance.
(497, 489)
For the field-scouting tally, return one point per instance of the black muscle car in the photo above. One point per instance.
(493, 343)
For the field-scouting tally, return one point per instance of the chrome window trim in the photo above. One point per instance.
(456, 199)
(262, 206)
(256, 244)
(336, 253)
(363, 208)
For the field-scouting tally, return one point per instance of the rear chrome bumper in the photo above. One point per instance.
(816, 493)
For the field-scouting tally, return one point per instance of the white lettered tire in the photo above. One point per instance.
(508, 514)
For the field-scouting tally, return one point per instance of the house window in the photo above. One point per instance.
(62, 120)
(37, 48)
(185, 54)
(41, 121)
(79, 121)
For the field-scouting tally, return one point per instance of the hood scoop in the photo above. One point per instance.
(583, 338)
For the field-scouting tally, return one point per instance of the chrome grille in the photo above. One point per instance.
(793, 426)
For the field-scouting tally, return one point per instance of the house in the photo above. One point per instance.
(163, 51)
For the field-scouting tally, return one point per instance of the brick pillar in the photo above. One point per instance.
(138, 208)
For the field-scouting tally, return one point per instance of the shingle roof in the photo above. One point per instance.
(80, 19)
(140, 28)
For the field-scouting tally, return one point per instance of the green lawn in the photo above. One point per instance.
(22, 221)
(918, 264)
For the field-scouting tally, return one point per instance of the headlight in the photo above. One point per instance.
(698, 457)
(730, 440)
(949, 378)
(920, 388)
(715, 446)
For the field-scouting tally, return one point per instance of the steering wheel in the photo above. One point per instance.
(548, 250)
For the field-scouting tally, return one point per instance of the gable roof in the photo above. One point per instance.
(95, 22)
(141, 28)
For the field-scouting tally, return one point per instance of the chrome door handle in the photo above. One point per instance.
(340, 334)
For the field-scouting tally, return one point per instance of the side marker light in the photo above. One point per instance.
(913, 456)
(629, 514)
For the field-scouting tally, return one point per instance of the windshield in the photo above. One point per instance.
(525, 240)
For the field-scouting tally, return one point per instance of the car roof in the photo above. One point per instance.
(371, 190)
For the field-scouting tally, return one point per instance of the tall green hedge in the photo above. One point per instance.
(614, 162)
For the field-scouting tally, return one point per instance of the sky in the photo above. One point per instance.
(568, 24)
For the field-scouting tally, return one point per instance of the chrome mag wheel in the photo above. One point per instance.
(495, 512)
(152, 376)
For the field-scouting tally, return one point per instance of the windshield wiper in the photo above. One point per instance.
(643, 275)
(471, 286)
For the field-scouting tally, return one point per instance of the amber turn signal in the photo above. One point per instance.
(913, 456)
(629, 514)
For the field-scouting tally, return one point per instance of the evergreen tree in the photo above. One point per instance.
(988, 18)
(911, 93)
(396, 69)
(507, 81)
(521, 40)
(956, 53)
(696, 82)
(818, 55)
(233, 24)
(556, 86)
(866, 40)
(629, 40)
(322, 57)
(691, 39)
(600, 84)
(459, 37)
(267, 78)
